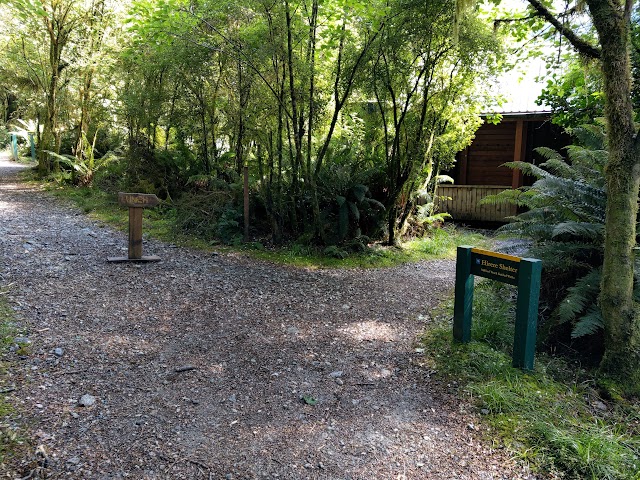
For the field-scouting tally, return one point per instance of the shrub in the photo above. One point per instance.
(565, 219)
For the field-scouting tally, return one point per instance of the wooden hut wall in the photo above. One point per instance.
(479, 171)
(463, 203)
(493, 146)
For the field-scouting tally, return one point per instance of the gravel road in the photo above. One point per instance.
(207, 366)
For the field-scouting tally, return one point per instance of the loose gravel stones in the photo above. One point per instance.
(256, 338)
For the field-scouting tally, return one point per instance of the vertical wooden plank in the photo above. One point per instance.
(518, 156)
(135, 233)
(464, 163)
(473, 201)
(467, 202)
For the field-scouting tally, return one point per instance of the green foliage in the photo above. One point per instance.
(551, 418)
(203, 89)
(442, 242)
(348, 210)
(210, 211)
(11, 437)
(574, 93)
(565, 219)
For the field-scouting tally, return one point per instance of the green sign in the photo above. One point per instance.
(523, 272)
(496, 266)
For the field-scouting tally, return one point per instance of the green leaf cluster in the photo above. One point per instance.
(565, 219)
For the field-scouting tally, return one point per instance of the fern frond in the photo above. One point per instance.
(567, 256)
(527, 169)
(589, 231)
(589, 324)
(520, 197)
(591, 136)
(355, 211)
(593, 159)
(560, 168)
(372, 202)
(578, 200)
(548, 153)
(580, 297)
(359, 191)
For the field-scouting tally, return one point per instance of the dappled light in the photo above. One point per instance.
(370, 331)
(364, 139)
(7, 206)
(125, 344)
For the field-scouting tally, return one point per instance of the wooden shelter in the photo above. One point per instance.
(478, 171)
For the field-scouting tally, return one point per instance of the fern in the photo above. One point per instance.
(580, 297)
(527, 169)
(588, 324)
(347, 207)
(593, 231)
(565, 220)
(518, 197)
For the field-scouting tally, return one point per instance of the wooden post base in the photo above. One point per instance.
(143, 259)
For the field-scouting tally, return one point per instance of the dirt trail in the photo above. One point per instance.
(199, 365)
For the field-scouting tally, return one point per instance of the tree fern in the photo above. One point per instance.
(585, 230)
(565, 220)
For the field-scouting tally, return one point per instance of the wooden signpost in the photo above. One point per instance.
(136, 203)
(523, 272)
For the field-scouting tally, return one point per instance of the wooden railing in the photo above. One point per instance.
(463, 203)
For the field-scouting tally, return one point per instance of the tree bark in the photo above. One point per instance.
(622, 175)
(58, 31)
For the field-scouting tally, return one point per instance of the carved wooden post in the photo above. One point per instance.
(136, 202)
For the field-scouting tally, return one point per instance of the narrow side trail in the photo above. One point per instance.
(197, 367)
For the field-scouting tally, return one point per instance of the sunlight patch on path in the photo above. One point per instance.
(371, 331)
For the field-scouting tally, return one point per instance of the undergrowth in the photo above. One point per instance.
(555, 418)
(162, 223)
(11, 442)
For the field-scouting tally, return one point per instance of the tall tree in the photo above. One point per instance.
(59, 20)
(423, 83)
(612, 21)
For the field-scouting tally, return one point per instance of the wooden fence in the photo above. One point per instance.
(463, 203)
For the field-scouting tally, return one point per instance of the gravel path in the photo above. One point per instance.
(198, 367)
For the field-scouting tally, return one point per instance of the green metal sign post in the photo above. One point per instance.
(14, 146)
(525, 273)
(32, 143)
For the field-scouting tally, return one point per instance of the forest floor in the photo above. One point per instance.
(219, 366)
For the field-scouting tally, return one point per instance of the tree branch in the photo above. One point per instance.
(628, 6)
(498, 21)
(583, 47)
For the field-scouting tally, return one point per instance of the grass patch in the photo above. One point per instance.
(552, 418)
(160, 223)
(11, 441)
(442, 242)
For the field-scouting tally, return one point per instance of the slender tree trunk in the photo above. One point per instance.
(48, 141)
(205, 146)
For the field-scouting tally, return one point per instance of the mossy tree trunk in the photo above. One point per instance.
(59, 24)
(612, 20)
(622, 174)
